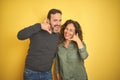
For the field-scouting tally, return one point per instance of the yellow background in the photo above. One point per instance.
(100, 21)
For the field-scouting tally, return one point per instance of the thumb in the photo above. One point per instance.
(49, 31)
(75, 36)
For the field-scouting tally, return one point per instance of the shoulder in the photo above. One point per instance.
(37, 24)
(61, 45)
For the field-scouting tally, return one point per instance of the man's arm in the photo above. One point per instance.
(29, 31)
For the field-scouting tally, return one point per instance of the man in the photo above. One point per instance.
(43, 43)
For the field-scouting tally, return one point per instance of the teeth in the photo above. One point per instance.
(66, 34)
(57, 27)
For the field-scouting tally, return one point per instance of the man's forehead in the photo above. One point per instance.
(56, 16)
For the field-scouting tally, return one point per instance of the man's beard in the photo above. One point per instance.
(53, 27)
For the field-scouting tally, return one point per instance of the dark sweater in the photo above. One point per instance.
(42, 47)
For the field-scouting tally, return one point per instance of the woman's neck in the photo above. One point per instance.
(66, 43)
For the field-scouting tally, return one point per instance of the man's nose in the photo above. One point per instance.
(59, 22)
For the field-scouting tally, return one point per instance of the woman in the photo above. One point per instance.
(71, 53)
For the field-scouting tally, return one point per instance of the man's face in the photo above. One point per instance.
(55, 22)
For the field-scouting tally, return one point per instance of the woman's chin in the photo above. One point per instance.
(68, 39)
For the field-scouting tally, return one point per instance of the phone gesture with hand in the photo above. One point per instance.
(77, 40)
(46, 26)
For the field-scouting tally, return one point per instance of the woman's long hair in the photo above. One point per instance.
(77, 26)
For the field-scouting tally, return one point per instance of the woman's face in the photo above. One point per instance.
(69, 31)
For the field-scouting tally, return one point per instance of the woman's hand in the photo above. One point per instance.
(77, 40)
(58, 76)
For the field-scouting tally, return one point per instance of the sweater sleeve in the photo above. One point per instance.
(28, 31)
(83, 52)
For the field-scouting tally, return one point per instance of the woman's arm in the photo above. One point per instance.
(81, 47)
(83, 52)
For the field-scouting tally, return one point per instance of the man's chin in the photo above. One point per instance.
(56, 31)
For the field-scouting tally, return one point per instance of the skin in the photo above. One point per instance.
(69, 34)
(53, 24)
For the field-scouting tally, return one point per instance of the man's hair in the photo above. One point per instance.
(53, 11)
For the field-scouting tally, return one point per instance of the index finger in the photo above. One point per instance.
(45, 20)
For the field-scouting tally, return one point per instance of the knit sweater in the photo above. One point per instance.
(42, 47)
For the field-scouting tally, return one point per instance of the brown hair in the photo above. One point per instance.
(77, 30)
(53, 11)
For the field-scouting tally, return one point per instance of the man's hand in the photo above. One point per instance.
(46, 26)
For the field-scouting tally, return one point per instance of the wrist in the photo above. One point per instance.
(79, 43)
(41, 26)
